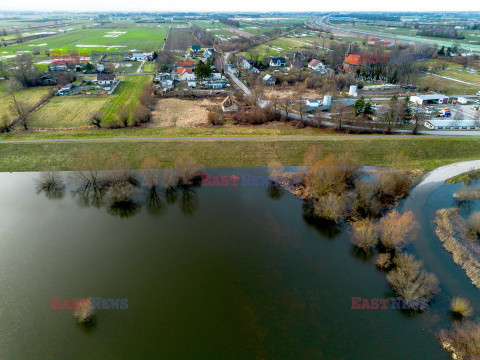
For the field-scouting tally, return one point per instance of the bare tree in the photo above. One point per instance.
(20, 108)
(96, 118)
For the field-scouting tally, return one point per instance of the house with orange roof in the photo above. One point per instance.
(356, 58)
(181, 71)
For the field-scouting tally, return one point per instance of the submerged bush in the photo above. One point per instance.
(460, 307)
(84, 313)
(396, 229)
(463, 341)
(51, 182)
(474, 222)
(365, 234)
(456, 236)
(384, 261)
(332, 206)
(467, 193)
(187, 168)
(411, 282)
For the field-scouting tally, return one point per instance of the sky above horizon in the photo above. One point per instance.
(245, 5)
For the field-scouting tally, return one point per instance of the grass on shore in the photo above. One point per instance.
(424, 153)
(271, 129)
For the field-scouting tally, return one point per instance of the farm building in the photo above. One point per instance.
(65, 89)
(228, 105)
(105, 79)
(452, 124)
(313, 103)
(278, 62)
(429, 99)
(316, 65)
(269, 79)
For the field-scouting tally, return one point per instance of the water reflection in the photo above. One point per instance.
(327, 228)
(122, 194)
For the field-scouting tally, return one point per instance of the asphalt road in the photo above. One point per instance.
(424, 135)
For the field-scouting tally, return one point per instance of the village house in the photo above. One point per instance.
(142, 56)
(296, 65)
(269, 79)
(57, 67)
(244, 64)
(278, 62)
(316, 65)
(228, 105)
(196, 48)
(181, 71)
(105, 79)
(208, 53)
(187, 64)
(353, 60)
(65, 89)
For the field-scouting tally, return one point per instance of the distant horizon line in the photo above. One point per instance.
(235, 11)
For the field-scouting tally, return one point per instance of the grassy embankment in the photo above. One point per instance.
(425, 153)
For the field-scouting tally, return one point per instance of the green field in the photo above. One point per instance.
(126, 94)
(66, 112)
(75, 111)
(30, 96)
(115, 39)
(425, 153)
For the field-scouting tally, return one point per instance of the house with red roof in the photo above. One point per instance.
(316, 65)
(181, 71)
(188, 64)
(354, 59)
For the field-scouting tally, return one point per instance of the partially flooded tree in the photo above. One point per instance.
(461, 308)
(411, 282)
(51, 183)
(86, 171)
(463, 341)
(188, 169)
(150, 170)
(365, 234)
(397, 229)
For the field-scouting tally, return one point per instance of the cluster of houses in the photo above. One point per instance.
(106, 82)
(196, 50)
(297, 64)
(184, 73)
